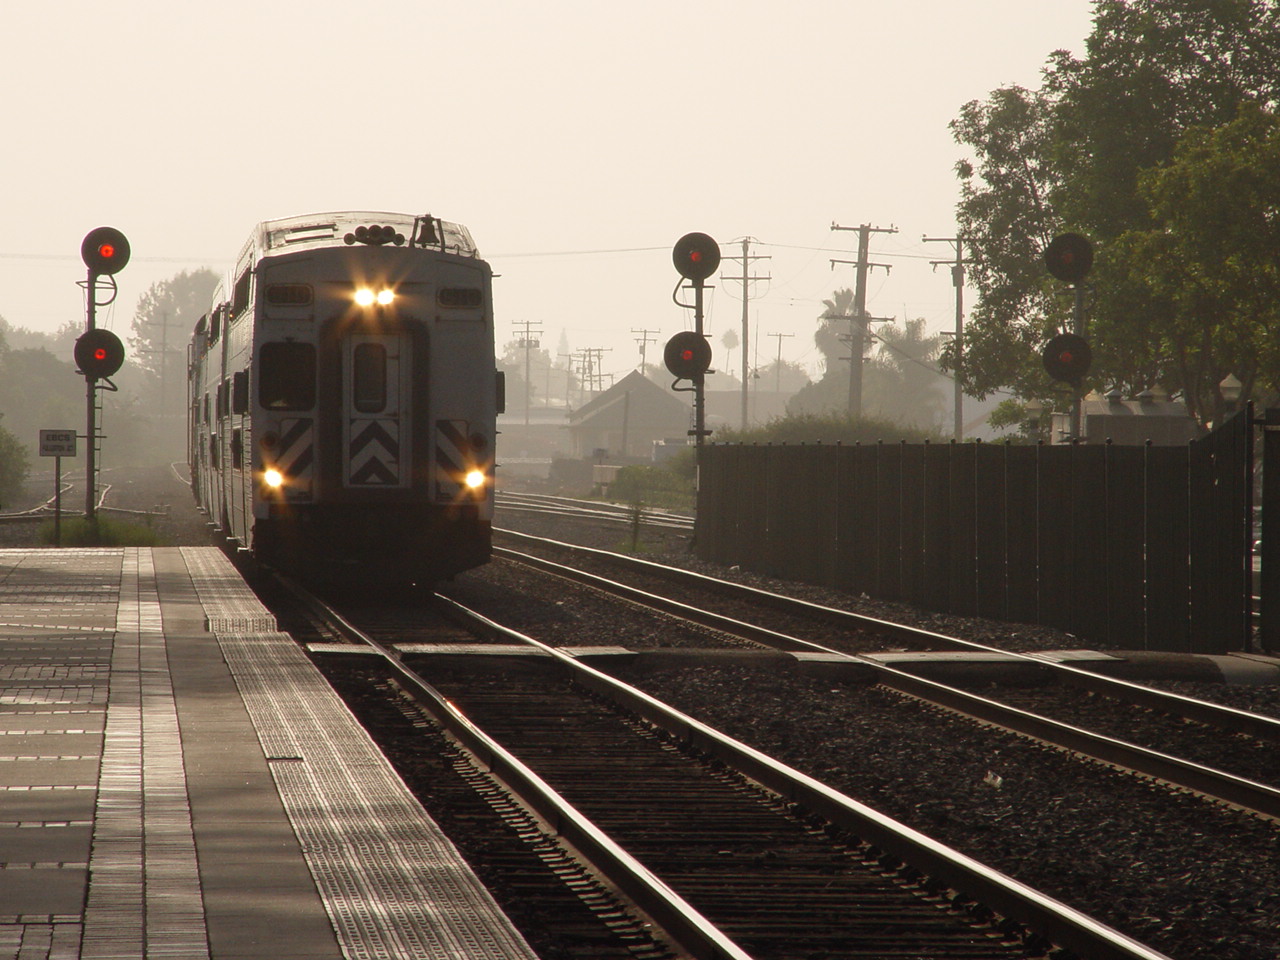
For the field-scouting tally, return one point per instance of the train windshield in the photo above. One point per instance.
(369, 378)
(287, 376)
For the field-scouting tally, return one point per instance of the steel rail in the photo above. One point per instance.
(683, 925)
(1060, 923)
(1216, 784)
(591, 510)
(1219, 715)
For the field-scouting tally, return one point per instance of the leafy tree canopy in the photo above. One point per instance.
(1156, 144)
(162, 325)
(827, 428)
(900, 378)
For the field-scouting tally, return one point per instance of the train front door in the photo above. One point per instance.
(376, 430)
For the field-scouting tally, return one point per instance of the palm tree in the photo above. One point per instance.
(730, 340)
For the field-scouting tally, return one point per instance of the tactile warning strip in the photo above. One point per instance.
(394, 886)
(229, 605)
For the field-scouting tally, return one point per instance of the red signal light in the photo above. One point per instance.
(696, 256)
(687, 355)
(1067, 357)
(1069, 257)
(105, 250)
(99, 353)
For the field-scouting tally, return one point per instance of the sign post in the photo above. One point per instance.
(57, 444)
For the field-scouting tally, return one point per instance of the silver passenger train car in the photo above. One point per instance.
(343, 401)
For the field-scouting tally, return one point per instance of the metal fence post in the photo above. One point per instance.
(1269, 582)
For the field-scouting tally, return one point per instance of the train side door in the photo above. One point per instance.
(376, 429)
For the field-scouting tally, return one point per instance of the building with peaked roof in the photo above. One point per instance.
(628, 418)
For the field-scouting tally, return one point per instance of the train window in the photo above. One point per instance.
(237, 450)
(369, 378)
(287, 376)
(459, 297)
(240, 296)
(215, 326)
(289, 294)
(240, 392)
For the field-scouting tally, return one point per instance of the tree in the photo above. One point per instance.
(729, 340)
(513, 362)
(900, 380)
(831, 391)
(903, 382)
(783, 376)
(162, 324)
(1080, 154)
(14, 466)
(39, 391)
(1210, 258)
(1153, 70)
(1006, 216)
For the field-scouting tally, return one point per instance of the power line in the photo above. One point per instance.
(63, 256)
(577, 253)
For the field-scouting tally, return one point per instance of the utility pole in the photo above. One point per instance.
(591, 359)
(644, 340)
(529, 342)
(859, 322)
(777, 366)
(746, 257)
(568, 359)
(957, 278)
(163, 352)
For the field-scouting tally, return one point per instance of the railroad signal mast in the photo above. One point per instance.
(98, 353)
(688, 354)
(1067, 357)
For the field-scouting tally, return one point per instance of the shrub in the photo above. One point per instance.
(669, 485)
(101, 532)
(827, 428)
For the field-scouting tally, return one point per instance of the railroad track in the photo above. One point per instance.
(593, 510)
(762, 860)
(1251, 785)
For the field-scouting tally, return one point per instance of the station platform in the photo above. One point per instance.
(178, 781)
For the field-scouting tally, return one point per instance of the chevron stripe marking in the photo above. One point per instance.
(374, 472)
(375, 431)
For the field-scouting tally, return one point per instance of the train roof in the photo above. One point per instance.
(272, 237)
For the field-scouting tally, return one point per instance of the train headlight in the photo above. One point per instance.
(367, 297)
(273, 478)
(475, 479)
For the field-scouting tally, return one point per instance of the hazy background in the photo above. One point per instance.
(577, 141)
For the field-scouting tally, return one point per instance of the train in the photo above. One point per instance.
(343, 400)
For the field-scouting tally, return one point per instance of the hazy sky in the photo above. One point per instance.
(576, 140)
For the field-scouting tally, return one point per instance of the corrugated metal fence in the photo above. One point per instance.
(1143, 546)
